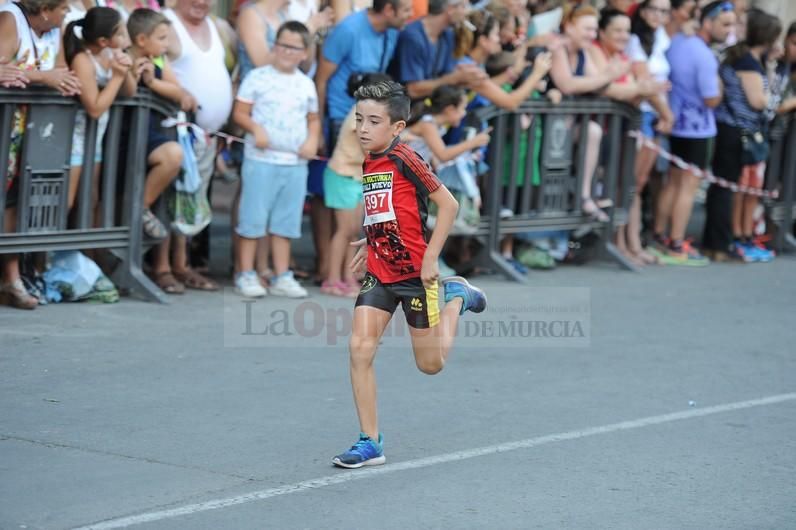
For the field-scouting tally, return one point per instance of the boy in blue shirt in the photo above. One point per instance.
(363, 42)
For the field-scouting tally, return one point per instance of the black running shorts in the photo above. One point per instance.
(697, 151)
(420, 305)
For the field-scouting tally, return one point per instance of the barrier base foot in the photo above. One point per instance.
(503, 266)
(620, 258)
(790, 242)
(133, 279)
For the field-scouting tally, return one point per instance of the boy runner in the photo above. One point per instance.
(401, 262)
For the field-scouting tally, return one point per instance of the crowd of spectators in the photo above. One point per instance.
(708, 78)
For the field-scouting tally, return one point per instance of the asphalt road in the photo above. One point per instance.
(673, 407)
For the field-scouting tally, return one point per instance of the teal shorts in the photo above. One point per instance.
(341, 192)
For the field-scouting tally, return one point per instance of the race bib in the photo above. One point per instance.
(377, 189)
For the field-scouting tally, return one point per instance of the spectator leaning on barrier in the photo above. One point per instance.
(197, 56)
(430, 121)
(695, 93)
(30, 40)
(485, 42)
(149, 32)
(613, 40)
(573, 73)
(104, 70)
(423, 57)
(729, 227)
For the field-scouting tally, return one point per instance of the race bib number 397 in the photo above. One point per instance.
(377, 189)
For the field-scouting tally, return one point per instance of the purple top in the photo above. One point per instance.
(694, 77)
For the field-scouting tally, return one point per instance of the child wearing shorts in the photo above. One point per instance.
(342, 184)
(277, 106)
(400, 259)
(98, 59)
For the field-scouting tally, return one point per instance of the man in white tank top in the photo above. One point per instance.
(196, 54)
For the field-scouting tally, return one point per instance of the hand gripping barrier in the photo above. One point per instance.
(555, 201)
(41, 215)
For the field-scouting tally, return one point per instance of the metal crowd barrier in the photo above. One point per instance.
(780, 176)
(41, 210)
(555, 203)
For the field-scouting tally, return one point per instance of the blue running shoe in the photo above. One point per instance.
(762, 254)
(365, 452)
(457, 287)
(744, 253)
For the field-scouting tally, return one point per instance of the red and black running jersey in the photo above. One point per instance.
(396, 185)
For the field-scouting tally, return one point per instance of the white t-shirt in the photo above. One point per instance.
(280, 104)
(32, 48)
(657, 64)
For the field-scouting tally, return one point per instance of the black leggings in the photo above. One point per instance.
(718, 205)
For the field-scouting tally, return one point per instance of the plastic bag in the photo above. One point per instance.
(189, 180)
(73, 274)
(190, 212)
(187, 203)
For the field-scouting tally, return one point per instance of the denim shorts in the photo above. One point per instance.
(79, 138)
(271, 199)
(648, 122)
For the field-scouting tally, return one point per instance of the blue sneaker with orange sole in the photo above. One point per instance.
(473, 298)
(365, 452)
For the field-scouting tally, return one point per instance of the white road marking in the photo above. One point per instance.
(348, 476)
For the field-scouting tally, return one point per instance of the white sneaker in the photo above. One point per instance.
(248, 284)
(286, 285)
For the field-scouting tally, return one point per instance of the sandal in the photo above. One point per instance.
(168, 283)
(591, 209)
(194, 280)
(152, 226)
(15, 295)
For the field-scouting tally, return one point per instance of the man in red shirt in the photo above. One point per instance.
(400, 259)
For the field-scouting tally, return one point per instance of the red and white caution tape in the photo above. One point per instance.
(707, 175)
